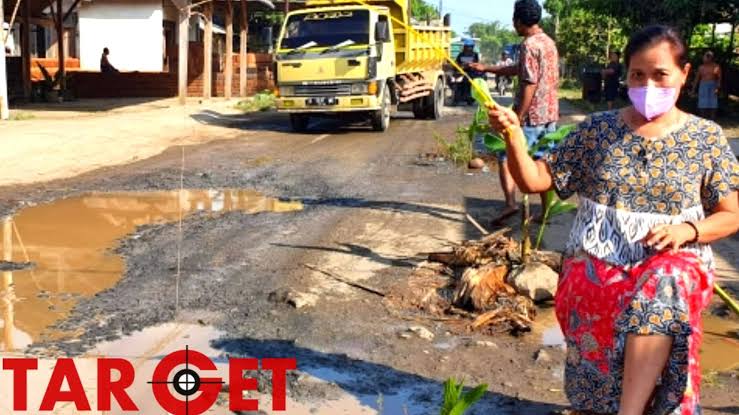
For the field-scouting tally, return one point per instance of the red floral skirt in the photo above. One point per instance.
(598, 304)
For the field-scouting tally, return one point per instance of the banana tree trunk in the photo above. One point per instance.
(525, 222)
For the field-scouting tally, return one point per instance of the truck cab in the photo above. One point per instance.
(343, 59)
(335, 60)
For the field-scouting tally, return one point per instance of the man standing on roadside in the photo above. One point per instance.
(612, 75)
(536, 102)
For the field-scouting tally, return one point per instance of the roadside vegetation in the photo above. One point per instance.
(263, 101)
(459, 150)
(21, 116)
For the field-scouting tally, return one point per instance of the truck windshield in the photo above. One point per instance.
(327, 28)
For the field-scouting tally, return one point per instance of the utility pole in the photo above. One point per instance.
(4, 111)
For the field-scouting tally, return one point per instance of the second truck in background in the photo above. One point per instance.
(341, 57)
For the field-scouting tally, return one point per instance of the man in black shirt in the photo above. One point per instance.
(612, 75)
(464, 59)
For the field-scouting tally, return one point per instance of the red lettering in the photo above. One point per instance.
(209, 387)
(279, 368)
(238, 384)
(20, 368)
(107, 388)
(65, 369)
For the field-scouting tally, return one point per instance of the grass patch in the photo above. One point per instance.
(459, 150)
(263, 101)
(711, 379)
(21, 116)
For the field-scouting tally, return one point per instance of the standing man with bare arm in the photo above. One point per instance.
(707, 84)
(536, 102)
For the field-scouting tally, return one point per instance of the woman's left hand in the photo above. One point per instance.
(663, 237)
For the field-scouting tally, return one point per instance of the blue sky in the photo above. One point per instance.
(466, 12)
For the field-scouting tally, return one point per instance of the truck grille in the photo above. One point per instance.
(322, 90)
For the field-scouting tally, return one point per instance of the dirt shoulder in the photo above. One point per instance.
(83, 136)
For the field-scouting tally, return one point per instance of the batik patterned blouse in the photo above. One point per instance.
(627, 184)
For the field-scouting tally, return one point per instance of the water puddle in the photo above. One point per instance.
(71, 241)
(719, 352)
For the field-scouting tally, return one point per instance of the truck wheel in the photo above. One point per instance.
(381, 117)
(420, 111)
(436, 101)
(299, 122)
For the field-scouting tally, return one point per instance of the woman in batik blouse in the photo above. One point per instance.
(655, 186)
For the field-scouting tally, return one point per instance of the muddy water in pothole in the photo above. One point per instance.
(719, 351)
(71, 241)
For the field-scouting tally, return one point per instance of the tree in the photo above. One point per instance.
(584, 35)
(684, 15)
(421, 10)
(493, 38)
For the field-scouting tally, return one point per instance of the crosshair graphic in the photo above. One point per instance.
(186, 382)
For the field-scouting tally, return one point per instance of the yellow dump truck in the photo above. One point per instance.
(340, 57)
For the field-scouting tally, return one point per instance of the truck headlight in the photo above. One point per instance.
(287, 91)
(359, 89)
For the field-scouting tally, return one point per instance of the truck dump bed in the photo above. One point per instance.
(423, 48)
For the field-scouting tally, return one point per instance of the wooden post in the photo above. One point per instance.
(243, 51)
(26, 49)
(4, 111)
(208, 51)
(731, 42)
(60, 44)
(184, 47)
(8, 282)
(228, 82)
(8, 239)
(287, 6)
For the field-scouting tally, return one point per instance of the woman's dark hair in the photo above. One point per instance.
(527, 12)
(652, 35)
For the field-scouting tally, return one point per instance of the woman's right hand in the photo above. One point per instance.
(503, 120)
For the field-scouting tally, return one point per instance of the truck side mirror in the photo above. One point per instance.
(382, 32)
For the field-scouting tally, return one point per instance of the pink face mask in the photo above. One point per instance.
(651, 102)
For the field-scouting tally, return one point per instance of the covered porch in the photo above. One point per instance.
(160, 48)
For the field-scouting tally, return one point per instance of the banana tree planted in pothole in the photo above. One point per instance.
(553, 206)
(456, 401)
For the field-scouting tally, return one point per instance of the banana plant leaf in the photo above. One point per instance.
(469, 399)
(553, 138)
(494, 143)
(481, 93)
(455, 401)
(560, 207)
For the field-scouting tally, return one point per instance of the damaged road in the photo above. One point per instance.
(305, 282)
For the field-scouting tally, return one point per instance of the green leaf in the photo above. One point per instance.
(553, 138)
(494, 143)
(452, 395)
(481, 117)
(481, 94)
(561, 207)
(455, 402)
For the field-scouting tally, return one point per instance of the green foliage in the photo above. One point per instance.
(584, 37)
(21, 116)
(263, 101)
(459, 150)
(681, 14)
(421, 10)
(456, 402)
(494, 36)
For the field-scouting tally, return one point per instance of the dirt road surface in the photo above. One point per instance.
(273, 270)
